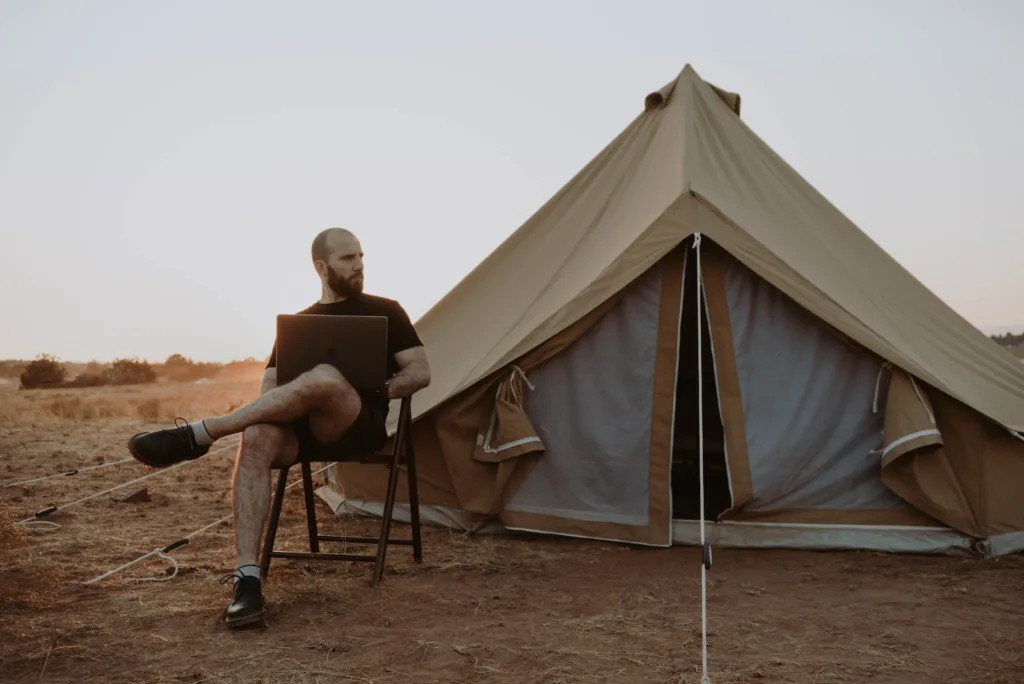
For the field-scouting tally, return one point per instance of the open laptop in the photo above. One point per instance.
(355, 345)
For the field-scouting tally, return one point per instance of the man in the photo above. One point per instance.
(319, 404)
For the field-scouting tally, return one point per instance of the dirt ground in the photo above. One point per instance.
(479, 609)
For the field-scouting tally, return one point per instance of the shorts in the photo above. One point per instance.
(367, 434)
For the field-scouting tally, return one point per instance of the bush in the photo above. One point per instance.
(87, 379)
(45, 371)
(130, 372)
(183, 369)
(1009, 340)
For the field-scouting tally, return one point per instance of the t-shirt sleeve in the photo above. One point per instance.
(401, 333)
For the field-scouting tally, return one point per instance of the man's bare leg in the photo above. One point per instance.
(323, 391)
(263, 446)
(322, 394)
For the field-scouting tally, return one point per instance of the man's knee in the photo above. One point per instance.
(263, 442)
(263, 434)
(328, 383)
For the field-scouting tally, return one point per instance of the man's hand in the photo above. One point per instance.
(413, 376)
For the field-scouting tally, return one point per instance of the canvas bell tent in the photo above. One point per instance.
(688, 271)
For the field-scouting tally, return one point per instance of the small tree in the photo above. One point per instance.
(178, 361)
(44, 371)
(130, 372)
(183, 369)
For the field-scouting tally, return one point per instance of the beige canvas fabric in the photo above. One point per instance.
(689, 164)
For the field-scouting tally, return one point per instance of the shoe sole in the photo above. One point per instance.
(246, 621)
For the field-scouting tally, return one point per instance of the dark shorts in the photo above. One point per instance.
(366, 435)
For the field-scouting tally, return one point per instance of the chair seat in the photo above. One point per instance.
(400, 453)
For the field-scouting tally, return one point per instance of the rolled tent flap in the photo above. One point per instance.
(909, 417)
(508, 435)
(914, 463)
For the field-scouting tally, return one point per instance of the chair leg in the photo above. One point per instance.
(385, 527)
(275, 517)
(307, 489)
(414, 498)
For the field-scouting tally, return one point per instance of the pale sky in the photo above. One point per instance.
(165, 165)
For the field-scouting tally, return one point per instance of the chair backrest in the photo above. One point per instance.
(404, 425)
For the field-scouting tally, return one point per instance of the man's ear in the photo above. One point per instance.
(321, 267)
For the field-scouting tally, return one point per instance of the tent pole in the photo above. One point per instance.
(704, 544)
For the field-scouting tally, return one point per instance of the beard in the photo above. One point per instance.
(344, 287)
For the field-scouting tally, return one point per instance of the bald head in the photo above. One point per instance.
(338, 260)
(325, 241)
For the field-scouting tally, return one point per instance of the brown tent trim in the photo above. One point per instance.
(729, 397)
(666, 363)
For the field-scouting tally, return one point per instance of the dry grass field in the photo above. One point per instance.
(498, 609)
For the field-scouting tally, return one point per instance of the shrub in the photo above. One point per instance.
(87, 379)
(184, 369)
(130, 372)
(1009, 340)
(45, 371)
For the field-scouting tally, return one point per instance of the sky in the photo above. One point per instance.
(165, 166)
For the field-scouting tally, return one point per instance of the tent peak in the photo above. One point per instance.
(660, 98)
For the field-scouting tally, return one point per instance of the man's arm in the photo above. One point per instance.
(414, 374)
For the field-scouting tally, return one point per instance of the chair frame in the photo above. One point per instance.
(393, 458)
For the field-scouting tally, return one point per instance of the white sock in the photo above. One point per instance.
(249, 571)
(203, 437)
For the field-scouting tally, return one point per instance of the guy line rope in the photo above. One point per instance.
(704, 544)
(68, 473)
(163, 552)
(34, 522)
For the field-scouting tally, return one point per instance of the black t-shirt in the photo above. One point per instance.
(401, 333)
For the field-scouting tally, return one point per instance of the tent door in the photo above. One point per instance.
(603, 408)
(685, 443)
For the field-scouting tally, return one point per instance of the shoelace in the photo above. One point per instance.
(236, 575)
(186, 432)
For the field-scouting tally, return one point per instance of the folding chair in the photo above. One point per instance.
(393, 458)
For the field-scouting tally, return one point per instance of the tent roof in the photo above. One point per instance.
(689, 164)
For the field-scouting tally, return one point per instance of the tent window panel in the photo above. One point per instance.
(807, 401)
(592, 408)
(685, 439)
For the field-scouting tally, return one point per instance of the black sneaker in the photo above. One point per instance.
(247, 608)
(166, 447)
